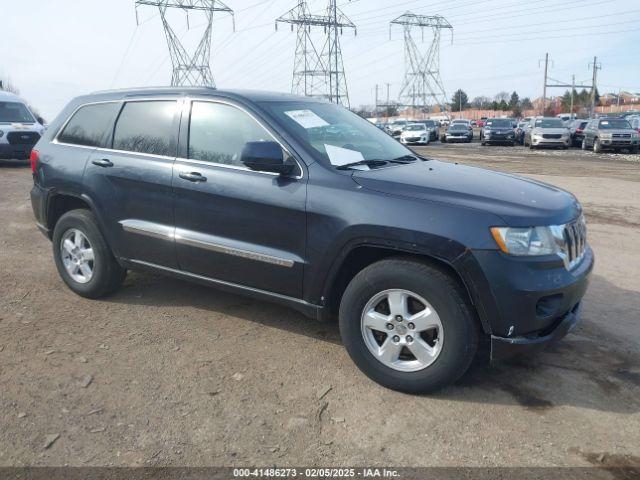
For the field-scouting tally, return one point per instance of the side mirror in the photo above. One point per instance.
(40, 120)
(265, 157)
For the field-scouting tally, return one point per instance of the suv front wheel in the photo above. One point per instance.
(408, 326)
(83, 259)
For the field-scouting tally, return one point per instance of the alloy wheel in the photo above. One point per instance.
(77, 255)
(402, 330)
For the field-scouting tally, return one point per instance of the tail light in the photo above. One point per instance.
(33, 158)
(578, 130)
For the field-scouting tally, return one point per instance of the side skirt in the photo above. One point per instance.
(308, 309)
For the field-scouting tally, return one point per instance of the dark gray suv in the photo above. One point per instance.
(302, 202)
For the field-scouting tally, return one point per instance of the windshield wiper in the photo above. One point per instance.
(405, 159)
(368, 163)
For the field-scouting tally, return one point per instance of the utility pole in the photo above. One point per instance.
(376, 108)
(422, 84)
(388, 99)
(573, 87)
(189, 69)
(544, 89)
(596, 66)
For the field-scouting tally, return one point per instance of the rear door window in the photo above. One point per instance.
(147, 127)
(91, 125)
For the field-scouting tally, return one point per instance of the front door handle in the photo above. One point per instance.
(103, 163)
(192, 176)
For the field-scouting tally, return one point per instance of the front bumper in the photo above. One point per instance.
(525, 302)
(503, 348)
(500, 138)
(618, 143)
(15, 152)
(550, 142)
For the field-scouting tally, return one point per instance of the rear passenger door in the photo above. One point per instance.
(130, 181)
(234, 224)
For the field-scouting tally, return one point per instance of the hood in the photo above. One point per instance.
(520, 202)
(618, 131)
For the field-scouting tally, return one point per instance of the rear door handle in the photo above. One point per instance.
(192, 176)
(103, 163)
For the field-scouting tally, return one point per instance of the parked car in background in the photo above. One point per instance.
(480, 123)
(20, 130)
(547, 132)
(396, 128)
(461, 121)
(610, 134)
(634, 120)
(576, 131)
(519, 132)
(416, 133)
(457, 133)
(243, 191)
(498, 131)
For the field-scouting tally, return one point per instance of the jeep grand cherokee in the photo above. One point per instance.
(301, 202)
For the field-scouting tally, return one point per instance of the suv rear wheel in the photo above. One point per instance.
(83, 259)
(408, 326)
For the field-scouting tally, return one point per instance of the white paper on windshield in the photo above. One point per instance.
(604, 122)
(341, 156)
(306, 118)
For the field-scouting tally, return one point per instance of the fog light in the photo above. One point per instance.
(548, 306)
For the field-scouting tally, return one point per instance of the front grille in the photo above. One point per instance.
(621, 135)
(552, 136)
(412, 139)
(23, 138)
(575, 242)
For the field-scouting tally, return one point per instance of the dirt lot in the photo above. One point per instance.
(169, 373)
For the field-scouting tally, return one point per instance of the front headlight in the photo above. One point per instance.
(526, 241)
(605, 135)
(633, 135)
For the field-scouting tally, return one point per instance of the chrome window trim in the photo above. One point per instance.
(121, 101)
(189, 102)
(198, 240)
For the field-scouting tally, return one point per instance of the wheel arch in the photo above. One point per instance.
(362, 255)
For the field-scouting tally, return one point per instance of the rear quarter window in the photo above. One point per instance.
(90, 126)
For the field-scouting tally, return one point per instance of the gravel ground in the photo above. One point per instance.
(169, 373)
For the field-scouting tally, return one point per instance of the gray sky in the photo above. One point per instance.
(55, 50)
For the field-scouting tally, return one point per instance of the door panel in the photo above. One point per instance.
(234, 224)
(134, 188)
(241, 227)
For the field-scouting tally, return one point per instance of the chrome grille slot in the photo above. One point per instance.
(575, 241)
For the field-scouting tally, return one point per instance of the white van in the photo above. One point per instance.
(20, 130)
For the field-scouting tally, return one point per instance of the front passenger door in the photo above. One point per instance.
(233, 224)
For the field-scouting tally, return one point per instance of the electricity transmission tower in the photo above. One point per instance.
(318, 72)
(189, 69)
(422, 85)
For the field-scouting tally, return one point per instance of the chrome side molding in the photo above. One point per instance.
(199, 240)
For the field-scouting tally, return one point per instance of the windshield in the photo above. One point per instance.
(333, 134)
(430, 123)
(462, 122)
(549, 123)
(458, 126)
(415, 128)
(614, 123)
(499, 123)
(15, 112)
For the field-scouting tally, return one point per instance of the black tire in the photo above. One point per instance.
(584, 144)
(532, 146)
(107, 275)
(459, 323)
(484, 144)
(633, 150)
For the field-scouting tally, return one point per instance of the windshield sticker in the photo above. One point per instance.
(604, 122)
(339, 156)
(306, 118)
